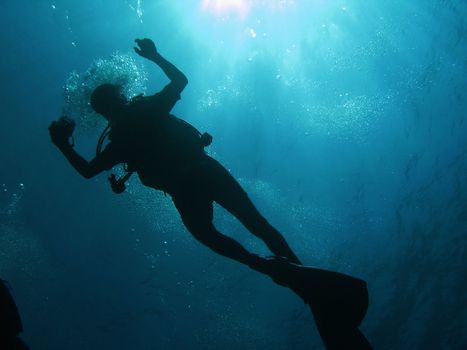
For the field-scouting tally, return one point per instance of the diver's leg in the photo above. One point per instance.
(197, 214)
(229, 194)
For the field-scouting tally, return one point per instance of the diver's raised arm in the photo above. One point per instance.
(147, 49)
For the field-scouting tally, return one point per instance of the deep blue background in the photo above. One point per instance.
(344, 120)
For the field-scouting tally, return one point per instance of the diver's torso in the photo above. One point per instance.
(160, 148)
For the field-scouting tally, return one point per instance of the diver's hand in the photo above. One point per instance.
(60, 132)
(117, 186)
(146, 48)
(206, 139)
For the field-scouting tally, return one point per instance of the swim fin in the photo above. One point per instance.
(338, 302)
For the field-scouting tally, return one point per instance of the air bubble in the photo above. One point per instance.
(253, 33)
(119, 69)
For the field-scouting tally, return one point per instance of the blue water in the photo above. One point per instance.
(344, 120)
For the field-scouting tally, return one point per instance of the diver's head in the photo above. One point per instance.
(108, 100)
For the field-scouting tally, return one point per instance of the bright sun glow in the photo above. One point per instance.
(223, 7)
(242, 8)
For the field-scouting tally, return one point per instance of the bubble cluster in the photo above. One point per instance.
(10, 241)
(220, 93)
(351, 119)
(120, 69)
(138, 8)
(9, 202)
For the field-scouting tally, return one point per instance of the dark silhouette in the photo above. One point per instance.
(10, 322)
(168, 154)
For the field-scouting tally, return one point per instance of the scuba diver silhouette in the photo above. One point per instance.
(168, 154)
(153, 143)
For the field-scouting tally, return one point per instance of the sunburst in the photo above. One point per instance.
(226, 7)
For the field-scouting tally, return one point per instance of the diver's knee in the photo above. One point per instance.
(200, 232)
(261, 228)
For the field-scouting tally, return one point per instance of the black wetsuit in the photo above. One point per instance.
(147, 139)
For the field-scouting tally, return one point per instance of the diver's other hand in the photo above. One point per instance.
(206, 139)
(117, 185)
(146, 48)
(60, 132)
